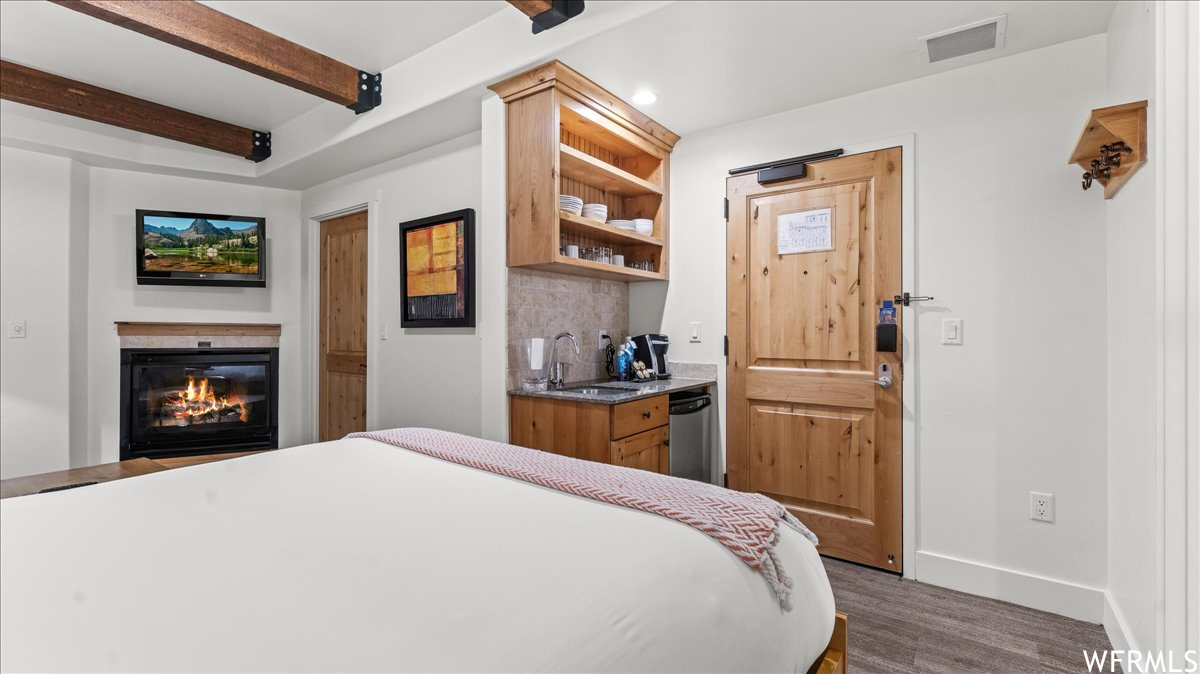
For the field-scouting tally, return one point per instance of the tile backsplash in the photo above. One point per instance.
(692, 370)
(543, 304)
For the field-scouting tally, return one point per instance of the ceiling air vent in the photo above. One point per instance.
(969, 39)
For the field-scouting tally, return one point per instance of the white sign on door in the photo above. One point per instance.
(805, 232)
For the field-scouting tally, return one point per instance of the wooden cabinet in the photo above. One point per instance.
(567, 135)
(634, 434)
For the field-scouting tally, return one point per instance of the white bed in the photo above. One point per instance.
(355, 555)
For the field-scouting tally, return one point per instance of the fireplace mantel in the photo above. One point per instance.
(136, 335)
(199, 329)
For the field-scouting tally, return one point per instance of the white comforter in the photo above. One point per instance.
(355, 555)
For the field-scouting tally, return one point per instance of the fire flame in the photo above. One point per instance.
(200, 401)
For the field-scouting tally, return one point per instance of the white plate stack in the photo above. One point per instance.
(621, 224)
(570, 204)
(643, 226)
(595, 212)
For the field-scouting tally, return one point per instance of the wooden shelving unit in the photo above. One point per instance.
(567, 135)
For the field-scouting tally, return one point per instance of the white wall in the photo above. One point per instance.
(1005, 240)
(115, 296)
(41, 267)
(493, 247)
(1132, 350)
(417, 377)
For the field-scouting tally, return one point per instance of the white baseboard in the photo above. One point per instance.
(1114, 627)
(1039, 592)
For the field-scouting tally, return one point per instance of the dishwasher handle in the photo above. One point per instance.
(690, 406)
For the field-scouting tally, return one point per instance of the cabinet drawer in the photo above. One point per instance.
(638, 416)
(646, 451)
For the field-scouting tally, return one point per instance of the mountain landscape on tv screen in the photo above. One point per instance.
(201, 247)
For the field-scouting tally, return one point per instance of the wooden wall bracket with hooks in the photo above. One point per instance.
(1112, 146)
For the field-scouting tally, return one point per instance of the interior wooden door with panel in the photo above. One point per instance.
(343, 366)
(810, 262)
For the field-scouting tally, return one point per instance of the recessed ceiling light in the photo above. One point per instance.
(645, 97)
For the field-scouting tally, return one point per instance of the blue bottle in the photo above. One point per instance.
(887, 313)
(624, 363)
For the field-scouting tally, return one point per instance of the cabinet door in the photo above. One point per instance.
(646, 451)
(578, 430)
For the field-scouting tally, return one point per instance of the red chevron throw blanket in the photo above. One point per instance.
(747, 524)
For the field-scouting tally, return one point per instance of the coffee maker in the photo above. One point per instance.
(652, 351)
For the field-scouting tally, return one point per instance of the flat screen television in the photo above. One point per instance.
(175, 248)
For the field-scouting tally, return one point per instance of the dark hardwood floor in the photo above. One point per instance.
(903, 626)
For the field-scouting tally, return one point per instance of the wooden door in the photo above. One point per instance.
(343, 367)
(807, 423)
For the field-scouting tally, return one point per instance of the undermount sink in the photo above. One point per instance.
(595, 390)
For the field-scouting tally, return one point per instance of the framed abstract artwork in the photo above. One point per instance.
(438, 279)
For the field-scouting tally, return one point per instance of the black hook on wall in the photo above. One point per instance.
(1110, 157)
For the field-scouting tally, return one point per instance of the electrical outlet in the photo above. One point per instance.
(600, 337)
(695, 326)
(1041, 506)
(16, 329)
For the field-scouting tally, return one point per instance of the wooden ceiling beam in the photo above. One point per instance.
(205, 31)
(531, 8)
(29, 86)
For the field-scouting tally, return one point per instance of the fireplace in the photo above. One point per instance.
(176, 402)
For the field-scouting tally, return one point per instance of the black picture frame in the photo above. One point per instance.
(180, 278)
(408, 317)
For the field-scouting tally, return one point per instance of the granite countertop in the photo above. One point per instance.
(633, 390)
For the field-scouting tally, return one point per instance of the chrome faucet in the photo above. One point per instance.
(557, 368)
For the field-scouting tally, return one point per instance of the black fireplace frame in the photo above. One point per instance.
(205, 441)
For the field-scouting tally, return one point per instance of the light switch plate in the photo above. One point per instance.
(952, 331)
(16, 329)
(695, 331)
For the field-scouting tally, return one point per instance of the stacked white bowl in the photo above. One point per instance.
(595, 212)
(621, 224)
(570, 204)
(643, 226)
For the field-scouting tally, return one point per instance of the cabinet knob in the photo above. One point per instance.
(645, 415)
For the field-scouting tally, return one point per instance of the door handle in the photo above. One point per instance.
(885, 376)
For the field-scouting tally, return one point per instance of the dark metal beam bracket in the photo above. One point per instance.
(262, 146)
(370, 92)
(559, 12)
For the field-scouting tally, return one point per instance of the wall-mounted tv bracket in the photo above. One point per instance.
(907, 299)
(786, 169)
(559, 12)
(370, 92)
(261, 149)
(1110, 158)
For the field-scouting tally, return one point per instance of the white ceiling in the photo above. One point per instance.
(711, 63)
(715, 63)
(367, 35)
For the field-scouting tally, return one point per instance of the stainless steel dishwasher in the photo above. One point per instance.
(691, 436)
